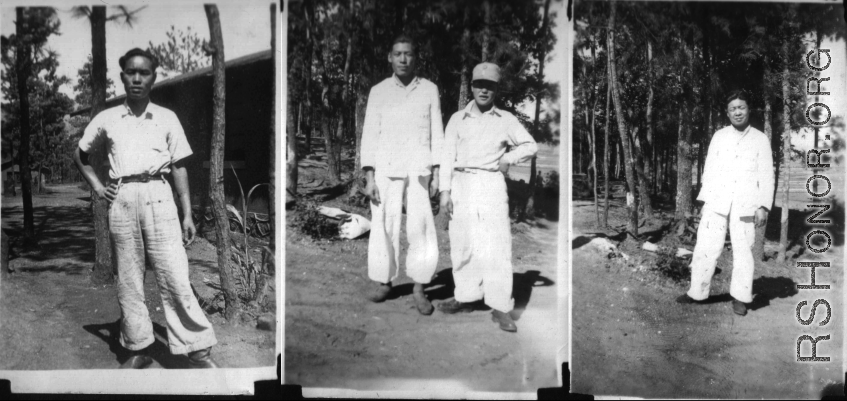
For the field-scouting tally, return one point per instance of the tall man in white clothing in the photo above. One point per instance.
(401, 139)
(146, 141)
(738, 186)
(480, 143)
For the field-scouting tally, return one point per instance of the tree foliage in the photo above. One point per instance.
(83, 87)
(182, 52)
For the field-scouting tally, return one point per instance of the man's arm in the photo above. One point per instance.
(524, 146)
(765, 175)
(180, 176)
(437, 142)
(81, 160)
(370, 139)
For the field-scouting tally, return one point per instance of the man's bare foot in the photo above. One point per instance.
(423, 304)
(378, 292)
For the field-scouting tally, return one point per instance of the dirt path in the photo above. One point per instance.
(51, 317)
(631, 339)
(335, 338)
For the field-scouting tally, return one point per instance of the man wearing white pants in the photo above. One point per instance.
(144, 142)
(738, 185)
(474, 194)
(401, 138)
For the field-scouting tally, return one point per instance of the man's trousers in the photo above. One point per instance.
(710, 242)
(143, 222)
(384, 241)
(481, 239)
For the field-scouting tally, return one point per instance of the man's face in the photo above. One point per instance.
(402, 59)
(138, 77)
(738, 112)
(484, 92)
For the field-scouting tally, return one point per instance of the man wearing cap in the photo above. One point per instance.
(738, 183)
(480, 143)
(144, 142)
(401, 138)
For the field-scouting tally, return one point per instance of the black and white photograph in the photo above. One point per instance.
(422, 198)
(707, 178)
(138, 217)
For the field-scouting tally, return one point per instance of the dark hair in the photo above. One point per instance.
(138, 52)
(737, 94)
(403, 38)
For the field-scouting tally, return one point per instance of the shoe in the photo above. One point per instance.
(421, 303)
(202, 359)
(137, 361)
(453, 306)
(379, 292)
(685, 299)
(740, 308)
(505, 320)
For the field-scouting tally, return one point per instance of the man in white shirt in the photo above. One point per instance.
(473, 194)
(146, 141)
(401, 138)
(738, 185)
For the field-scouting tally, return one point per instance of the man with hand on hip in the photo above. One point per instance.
(144, 142)
(473, 194)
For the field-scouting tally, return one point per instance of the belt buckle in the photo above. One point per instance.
(145, 178)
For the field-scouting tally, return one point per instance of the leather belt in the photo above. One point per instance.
(141, 178)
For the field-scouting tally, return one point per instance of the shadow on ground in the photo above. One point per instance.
(109, 333)
(63, 232)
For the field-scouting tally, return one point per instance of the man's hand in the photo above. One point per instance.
(189, 232)
(372, 192)
(761, 217)
(108, 193)
(433, 185)
(504, 167)
(445, 210)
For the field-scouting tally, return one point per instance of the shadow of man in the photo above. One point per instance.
(522, 285)
(110, 334)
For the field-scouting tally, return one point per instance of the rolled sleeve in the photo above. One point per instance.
(178, 145)
(370, 131)
(524, 146)
(448, 153)
(93, 134)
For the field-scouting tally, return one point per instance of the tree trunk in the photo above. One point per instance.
(486, 30)
(649, 168)
(333, 170)
(465, 44)
(103, 271)
(759, 241)
(631, 202)
(643, 186)
(291, 142)
(262, 282)
(23, 66)
(593, 123)
(216, 164)
(786, 153)
(529, 208)
(683, 166)
(606, 151)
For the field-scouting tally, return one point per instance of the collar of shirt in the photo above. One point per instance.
(148, 113)
(742, 133)
(408, 87)
(469, 110)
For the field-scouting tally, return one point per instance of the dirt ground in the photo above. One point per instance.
(630, 338)
(52, 317)
(335, 338)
